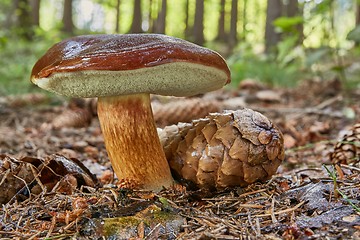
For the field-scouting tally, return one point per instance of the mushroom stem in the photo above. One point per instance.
(132, 142)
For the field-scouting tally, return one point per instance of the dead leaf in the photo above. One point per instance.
(20, 177)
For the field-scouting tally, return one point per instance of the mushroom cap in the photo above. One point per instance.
(120, 64)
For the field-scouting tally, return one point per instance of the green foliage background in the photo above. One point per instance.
(325, 52)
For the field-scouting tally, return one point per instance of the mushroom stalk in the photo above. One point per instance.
(132, 142)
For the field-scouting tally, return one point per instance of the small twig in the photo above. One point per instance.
(251, 224)
(258, 229)
(272, 210)
(219, 229)
(236, 198)
(350, 167)
(329, 102)
(257, 206)
(253, 192)
(52, 226)
(282, 211)
(35, 235)
(25, 185)
(36, 176)
(5, 176)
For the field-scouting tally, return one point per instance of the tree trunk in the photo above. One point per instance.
(293, 10)
(199, 23)
(35, 9)
(161, 19)
(10, 15)
(357, 13)
(137, 18)
(188, 28)
(244, 20)
(273, 11)
(151, 20)
(68, 25)
(24, 22)
(117, 24)
(233, 23)
(221, 35)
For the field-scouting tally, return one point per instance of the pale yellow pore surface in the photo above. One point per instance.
(174, 79)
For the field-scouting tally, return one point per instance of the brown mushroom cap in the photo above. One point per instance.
(110, 65)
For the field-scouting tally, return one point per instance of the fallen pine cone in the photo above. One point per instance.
(347, 150)
(233, 148)
(183, 110)
(76, 118)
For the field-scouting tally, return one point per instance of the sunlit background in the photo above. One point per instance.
(316, 38)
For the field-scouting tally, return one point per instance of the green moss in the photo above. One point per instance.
(113, 226)
(128, 224)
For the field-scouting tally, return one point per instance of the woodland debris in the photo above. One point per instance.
(187, 109)
(233, 148)
(226, 214)
(25, 176)
(75, 118)
(268, 96)
(251, 85)
(17, 101)
(80, 112)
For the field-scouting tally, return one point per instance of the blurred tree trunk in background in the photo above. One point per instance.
(150, 18)
(137, 18)
(221, 35)
(233, 23)
(160, 23)
(357, 13)
(68, 24)
(293, 9)
(9, 20)
(117, 25)
(188, 28)
(35, 9)
(24, 23)
(273, 11)
(357, 20)
(244, 20)
(19, 17)
(199, 23)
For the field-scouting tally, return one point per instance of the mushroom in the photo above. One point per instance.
(122, 71)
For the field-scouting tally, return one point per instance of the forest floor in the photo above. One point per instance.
(301, 202)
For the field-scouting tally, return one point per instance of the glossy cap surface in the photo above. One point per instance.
(108, 65)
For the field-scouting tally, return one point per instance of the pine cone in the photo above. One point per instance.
(347, 150)
(183, 110)
(234, 148)
(73, 118)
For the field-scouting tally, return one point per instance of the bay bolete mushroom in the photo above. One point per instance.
(122, 71)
